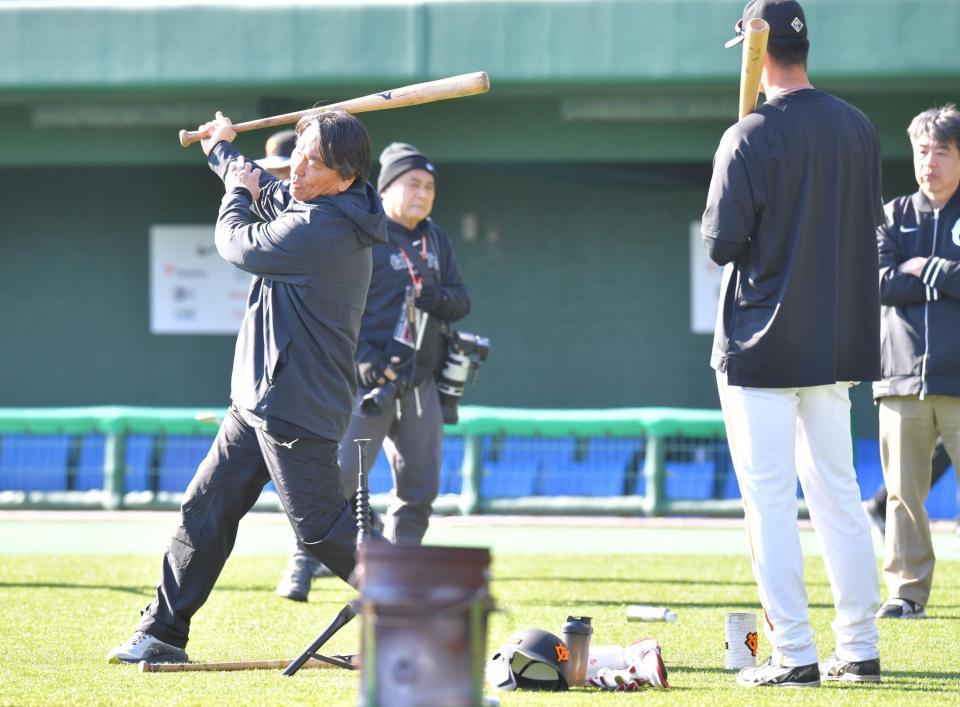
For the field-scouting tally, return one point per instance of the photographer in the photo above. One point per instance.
(418, 256)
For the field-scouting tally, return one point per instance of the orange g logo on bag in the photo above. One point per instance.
(752, 642)
(563, 654)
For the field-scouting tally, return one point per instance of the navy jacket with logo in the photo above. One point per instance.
(920, 316)
(311, 261)
(386, 297)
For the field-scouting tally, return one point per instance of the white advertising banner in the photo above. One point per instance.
(192, 289)
(705, 277)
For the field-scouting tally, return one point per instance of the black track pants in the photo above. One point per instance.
(226, 485)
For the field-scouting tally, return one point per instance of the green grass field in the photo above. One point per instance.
(59, 613)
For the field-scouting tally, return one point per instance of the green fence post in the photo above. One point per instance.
(114, 457)
(654, 472)
(471, 470)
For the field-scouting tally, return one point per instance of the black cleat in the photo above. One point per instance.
(876, 517)
(769, 675)
(897, 608)
(833, 668)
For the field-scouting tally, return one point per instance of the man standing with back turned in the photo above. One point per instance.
(307, 242)
(792, 210)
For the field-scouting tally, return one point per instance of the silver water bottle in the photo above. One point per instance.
(576, 634)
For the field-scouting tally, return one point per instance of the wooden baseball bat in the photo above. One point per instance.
(413, 95)
(754, 50)
(145, 667)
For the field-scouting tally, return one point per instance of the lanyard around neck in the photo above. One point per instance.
(417, 280)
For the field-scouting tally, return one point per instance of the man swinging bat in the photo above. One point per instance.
(307, 242)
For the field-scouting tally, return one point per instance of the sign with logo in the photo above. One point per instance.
(705, 278)
(192, 289)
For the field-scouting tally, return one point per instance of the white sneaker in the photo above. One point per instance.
(143, 646)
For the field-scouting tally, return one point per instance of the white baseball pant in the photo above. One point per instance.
(777, 435)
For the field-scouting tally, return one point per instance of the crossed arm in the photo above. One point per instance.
(913, 280)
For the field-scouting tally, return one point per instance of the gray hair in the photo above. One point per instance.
(942, 124)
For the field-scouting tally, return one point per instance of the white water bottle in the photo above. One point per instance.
(638, 612)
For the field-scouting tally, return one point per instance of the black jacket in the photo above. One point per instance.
(311, 261)
(920, 316)
(792, 213)
(385, 300)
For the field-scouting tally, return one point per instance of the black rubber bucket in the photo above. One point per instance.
(423, 625)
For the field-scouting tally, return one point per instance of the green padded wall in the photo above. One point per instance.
(579, 276)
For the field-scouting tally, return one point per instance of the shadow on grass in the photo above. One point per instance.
(630, 580)
(892, 680)
(748, 605)
(932, 617)
(673, 668)
(927, 675)
(143, 589)
(645, 580)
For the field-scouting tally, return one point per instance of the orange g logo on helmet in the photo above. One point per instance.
(752, 642)
(563, 653)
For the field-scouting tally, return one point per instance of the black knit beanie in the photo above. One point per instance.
(398, 158)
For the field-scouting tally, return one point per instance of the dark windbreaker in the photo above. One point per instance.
(792, 213)
(920, 325)
(311, 261)
(386, 296)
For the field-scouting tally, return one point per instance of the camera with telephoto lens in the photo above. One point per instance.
(380, 398)
(465, 353)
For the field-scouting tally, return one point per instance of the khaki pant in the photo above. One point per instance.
(908, 435)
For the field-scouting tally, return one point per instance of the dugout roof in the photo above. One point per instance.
(129, 71)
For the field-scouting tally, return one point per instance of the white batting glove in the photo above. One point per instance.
(644, 668)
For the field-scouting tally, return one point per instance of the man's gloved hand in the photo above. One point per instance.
(430, 298)
(370, 372)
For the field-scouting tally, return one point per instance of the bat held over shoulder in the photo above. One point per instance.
(413, 95)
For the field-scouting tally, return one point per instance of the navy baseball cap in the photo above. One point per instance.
(785, 17)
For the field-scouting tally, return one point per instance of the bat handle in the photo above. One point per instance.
(363, 496)
(188, 137)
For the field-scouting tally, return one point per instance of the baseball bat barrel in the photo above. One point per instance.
(413, 95)
(756, 33)
(146, 667)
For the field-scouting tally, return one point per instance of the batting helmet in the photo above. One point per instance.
(531, 659)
